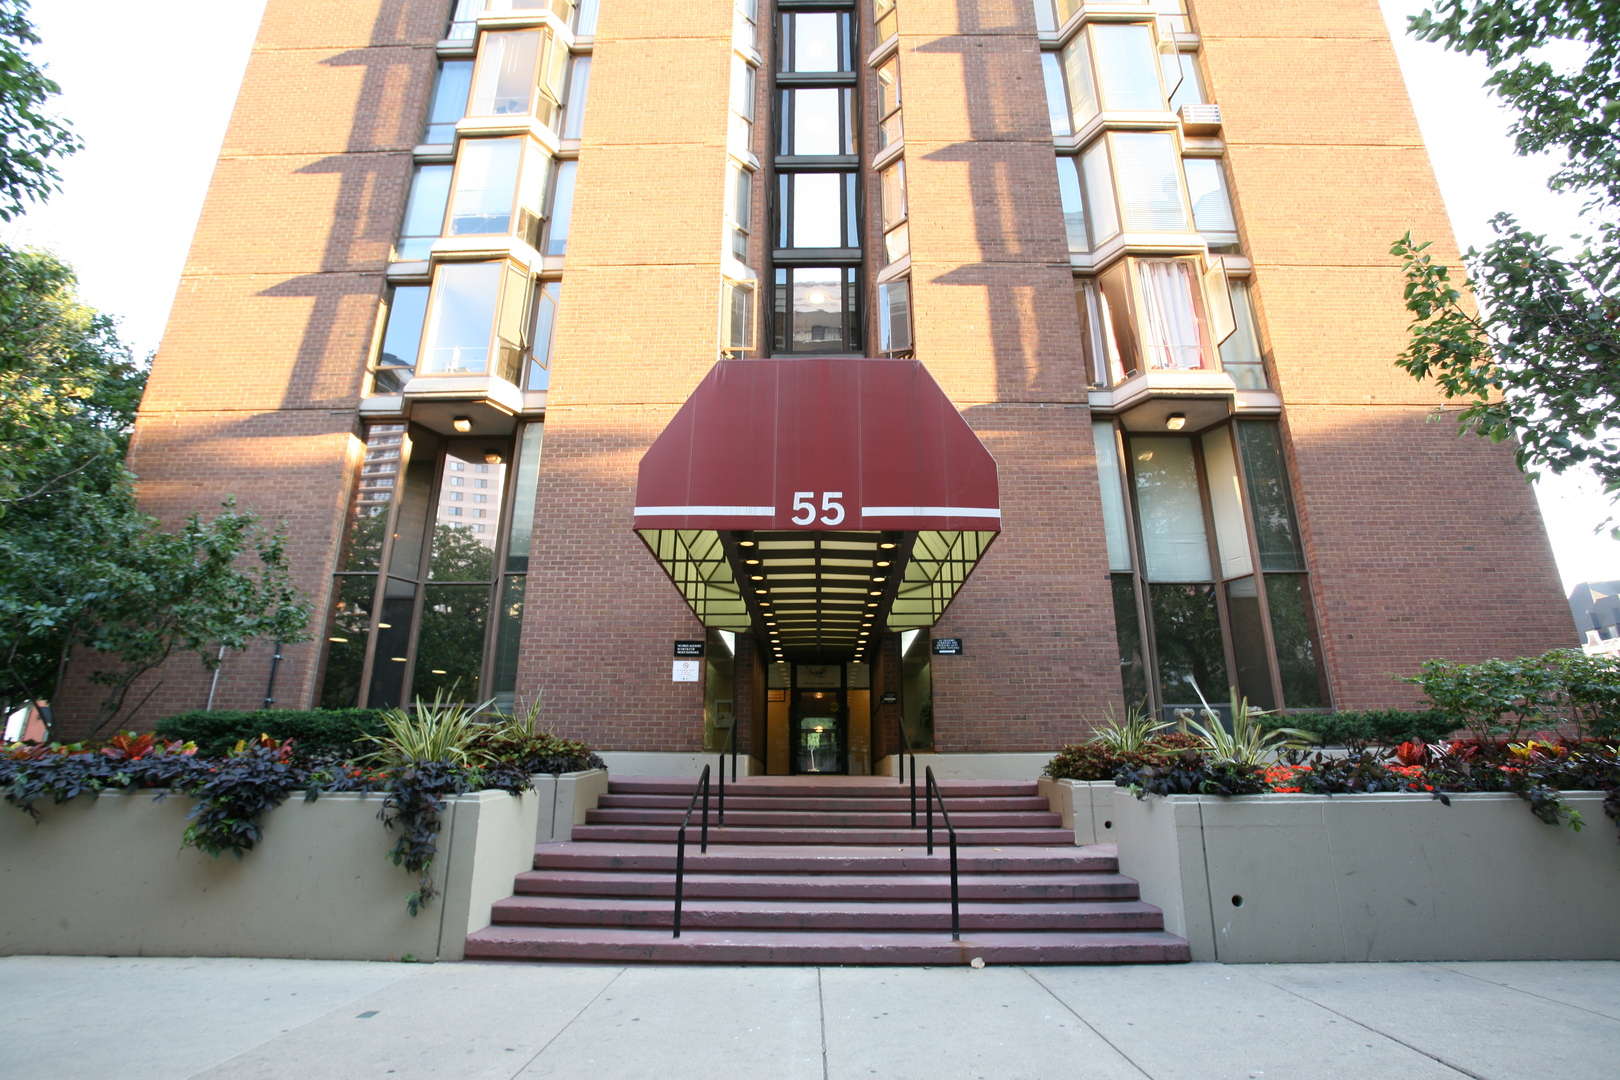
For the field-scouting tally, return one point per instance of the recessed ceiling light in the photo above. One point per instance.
(462, 424)
(746, 543)
(883, 562)
(875, 592)
(762, 592)
(886, 545)
(756, 577)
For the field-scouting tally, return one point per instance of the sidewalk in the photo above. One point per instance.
(154, 1019)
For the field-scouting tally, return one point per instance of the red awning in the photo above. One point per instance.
(818, 444)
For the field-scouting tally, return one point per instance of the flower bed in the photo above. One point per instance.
(92, 843)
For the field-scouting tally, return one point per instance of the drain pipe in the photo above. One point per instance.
(214, 684)
(270, 688)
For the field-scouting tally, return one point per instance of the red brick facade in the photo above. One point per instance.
(1419, 544)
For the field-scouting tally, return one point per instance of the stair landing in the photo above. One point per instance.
(812, 870)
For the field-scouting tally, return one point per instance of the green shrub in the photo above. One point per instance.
(313, 731)
(1375, 727)
(1096, 761)
(1526, 694)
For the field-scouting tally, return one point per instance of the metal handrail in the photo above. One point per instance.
(731, 741)
(680, 842)
(905, 741)
(934, 793)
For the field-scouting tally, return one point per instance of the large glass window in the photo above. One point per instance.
(405, 313)
(740, 209)
(896, 234)
(450, 90)
(1074, 207)
(585, 18)
(1203, 505)
(816, 41)
(1211, 205)
(424, 211)
(1190, 90)
(545, 323)
(579, 83)
(562, 208)
(446, 616)
(519, 72)
(817, 121)
(1127, 67)
(1170, 316)
(476, 320)
(894, 316)
(816, 309)
(816, 204)
(886, 20)
(1057, 99)
(890, 129)
(1240, 353)
(499, 188)
(1149, 182)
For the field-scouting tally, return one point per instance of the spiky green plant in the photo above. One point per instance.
(1127, 736)
(1248, 743)
(441, 731)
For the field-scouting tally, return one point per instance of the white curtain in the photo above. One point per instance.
(1170, 332)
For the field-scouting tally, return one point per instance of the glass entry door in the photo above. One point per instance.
(820, 732)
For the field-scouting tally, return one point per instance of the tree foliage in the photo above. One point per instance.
(1535, 357)
(29, 138)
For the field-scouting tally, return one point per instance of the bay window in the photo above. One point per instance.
(886, 20)
(579, 84)
(428, 598)
(816, 309)
(1220, 599)
(499, 188)
(1110, 67)
(519, 73)
(476, 320)
(1153, 313)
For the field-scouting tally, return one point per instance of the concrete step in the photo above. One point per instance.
(858, 787)
(632, 834)
(849, 804)
(1088, 885)
(731, 914)
(807, 819)
(846, 947)
(907, 858)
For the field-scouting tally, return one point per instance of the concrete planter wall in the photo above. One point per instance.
(108, 876)
(564, 799)
(1087, 807)
(1307, 878)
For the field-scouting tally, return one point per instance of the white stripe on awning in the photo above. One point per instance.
(720, 511)
(930, 511)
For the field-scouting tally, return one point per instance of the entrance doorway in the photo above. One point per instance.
(820, 731)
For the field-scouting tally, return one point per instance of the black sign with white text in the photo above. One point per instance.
(947, 646)
(688, 648)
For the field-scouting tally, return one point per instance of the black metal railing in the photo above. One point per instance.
(680, 841)
(932, 794)
(905, 752)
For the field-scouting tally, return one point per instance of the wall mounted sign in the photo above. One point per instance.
(688, 670)
(947, 646)
(819, 676)
(689, 648)
(889, 698)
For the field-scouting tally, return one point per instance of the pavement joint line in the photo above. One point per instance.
(524, 1067)
(1527, 993)
(821, 1005)
(1368, 1027)
(1070, 1010)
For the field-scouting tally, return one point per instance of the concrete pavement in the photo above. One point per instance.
(65, 1018)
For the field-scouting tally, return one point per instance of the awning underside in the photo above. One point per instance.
(695, 561)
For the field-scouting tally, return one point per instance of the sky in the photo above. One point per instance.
(151, 98)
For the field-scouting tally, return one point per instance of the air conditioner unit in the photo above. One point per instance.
(1200, 119)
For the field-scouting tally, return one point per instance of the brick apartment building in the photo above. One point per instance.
(1004, 359)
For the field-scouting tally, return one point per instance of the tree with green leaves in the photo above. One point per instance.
(30, 138)
(83, 573)
(1529, 344)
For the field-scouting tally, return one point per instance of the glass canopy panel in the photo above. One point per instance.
(695, 561)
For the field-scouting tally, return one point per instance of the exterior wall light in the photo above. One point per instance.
(1176, 421)
(462, 424)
